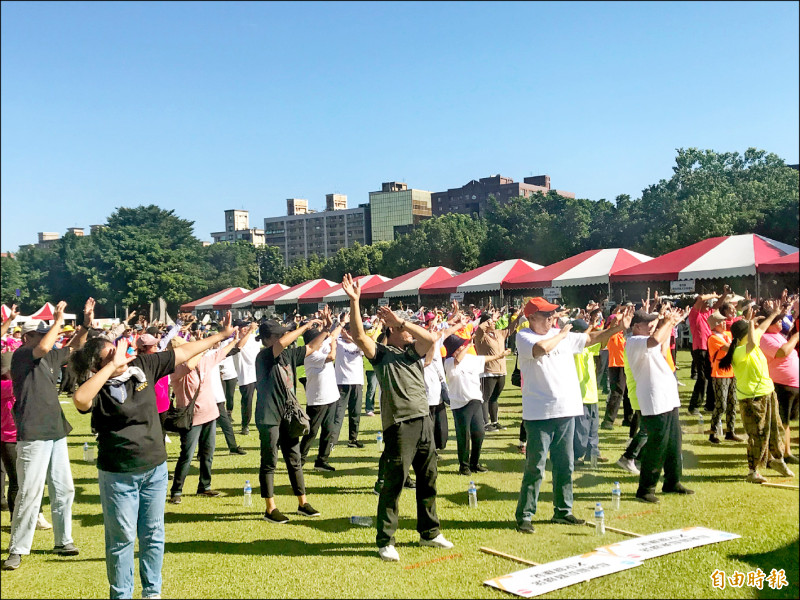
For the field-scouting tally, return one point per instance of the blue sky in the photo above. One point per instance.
(199, 107)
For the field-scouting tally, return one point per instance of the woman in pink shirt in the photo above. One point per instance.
(188, 378)
(784, 370)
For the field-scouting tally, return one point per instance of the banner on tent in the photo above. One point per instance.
(552, 293)
(383, 302)
(682, 286)
(457, 296)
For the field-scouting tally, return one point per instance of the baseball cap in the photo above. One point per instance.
(538, 304)
(146, 340)
(579, 325)
(269, 329)
(35, 327)
(641, 316)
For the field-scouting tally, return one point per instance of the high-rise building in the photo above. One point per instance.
(298, 235)
(396, 206)
(237, 227)
(473, 197)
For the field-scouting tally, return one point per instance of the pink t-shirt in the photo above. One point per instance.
(8, 429)
(786, 370)
(162, 394)
(699, 327)
(185, 382)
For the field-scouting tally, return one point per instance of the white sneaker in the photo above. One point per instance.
(438, 542)
(628, 465)
(780, 467)
(389, 554)
(41, 522)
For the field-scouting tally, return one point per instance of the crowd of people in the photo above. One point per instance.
(416, 364)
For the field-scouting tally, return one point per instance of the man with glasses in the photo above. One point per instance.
(551, 399)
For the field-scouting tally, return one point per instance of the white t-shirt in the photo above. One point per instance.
(321, 377)
(550, 387)
(349, 363)
(464, 380)
(245, 361)
(227, 368)
(656, 386)
(434, 375)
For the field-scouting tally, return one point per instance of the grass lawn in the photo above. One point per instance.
(215, 548)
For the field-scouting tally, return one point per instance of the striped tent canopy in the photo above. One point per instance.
(483, 279)
(265, 292)
(230, 293)
(409, 284)
(336, 294)
(790, 263)
(297, 294)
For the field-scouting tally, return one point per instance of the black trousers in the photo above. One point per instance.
(491, 387)
(440, 427)
(247, 402)
(702, 392)
(205, 435)
(224, 422)
(229, 387)
(8, 452)
(350, 401)
(469, 432)
(638, 436)
(272, 436)
(662, 451)
(321, 417)
(617, 395)
(408, 444)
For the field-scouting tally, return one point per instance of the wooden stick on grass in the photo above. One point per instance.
(509, 557)
(781, 485)
(615, 530)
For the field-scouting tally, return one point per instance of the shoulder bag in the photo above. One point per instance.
(179, 420)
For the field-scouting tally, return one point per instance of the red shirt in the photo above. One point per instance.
(698, 325)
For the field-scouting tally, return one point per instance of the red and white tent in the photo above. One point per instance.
(409, 284)
(5, 312)
(483, 279)
(234, 292)
(265, 292)
(725, 256)
(190, 306)
(587, 268)
(46, 313)
(336, 294)
(297, 294)
(790, 263)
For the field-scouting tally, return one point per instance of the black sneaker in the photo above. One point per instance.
(276, 516)
(321, 465)
(606, 425)
(174, 500)
(464, 470)
(12, 562)
(245, 431)
(678, 489)
(489, 427)
(648, 498)
(210, 493)
(308, 510)
(239, 450)
(410, 484)
(478, 469)
(694, 412)
(567, 520)
(355, 444)
(714, 439)
(378, 487)
(526, 527)
(498, 427)
(732, 437)
(66, 550)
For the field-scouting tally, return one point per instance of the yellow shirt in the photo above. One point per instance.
(584, 364)
(751, 370)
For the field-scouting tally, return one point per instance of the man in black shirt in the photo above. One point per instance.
(405, 419)
(42, 431)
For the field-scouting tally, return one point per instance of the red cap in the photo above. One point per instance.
(537, 304)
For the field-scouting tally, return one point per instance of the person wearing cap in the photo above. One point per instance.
(246, 375)
(617, 394)
(276, 376)
(657, 394)
(587, 439)
(723, 382)
(551, 398)
(349, 368)
(698, 324)
(405, 421)
(42, 431)
(148, 344)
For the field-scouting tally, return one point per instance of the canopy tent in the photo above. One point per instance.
(410, 284)
(5, 312)
(592, 267)
(190, 306)
(234, 292)
(789, 263)
(297, 294)
(46, 314)
(483, 279)
(725, 256)
(264, 292)
(336, 294)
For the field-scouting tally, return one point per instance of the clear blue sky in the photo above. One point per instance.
(200, 107)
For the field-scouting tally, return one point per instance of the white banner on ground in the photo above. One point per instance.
(383, 302)
(561, 573)
(552, 293)
(681, 286)
(667, 542)
(457, 296)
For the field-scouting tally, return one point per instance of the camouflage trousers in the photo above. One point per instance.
(724, 403)
(764, 429)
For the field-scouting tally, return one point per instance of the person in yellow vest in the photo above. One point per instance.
(587, 439)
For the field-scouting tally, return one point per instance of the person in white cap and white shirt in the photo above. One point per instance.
(245, 363)
(349, 368)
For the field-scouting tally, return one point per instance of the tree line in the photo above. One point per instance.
(146, 252)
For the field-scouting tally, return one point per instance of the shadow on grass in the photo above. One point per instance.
(785, 558)
(281, 547)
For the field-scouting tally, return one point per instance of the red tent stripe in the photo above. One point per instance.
(446, 286)
(544, 277)
(668, 266)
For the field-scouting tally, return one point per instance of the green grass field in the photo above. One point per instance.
(215, 548)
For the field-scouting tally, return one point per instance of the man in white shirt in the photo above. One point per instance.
(551, 399)
(350, 379)
(321, 397)
(245, 363)
(657, 392)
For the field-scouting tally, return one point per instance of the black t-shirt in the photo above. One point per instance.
(400, 375)
(37, 413)
(129, 436)
(275, 382)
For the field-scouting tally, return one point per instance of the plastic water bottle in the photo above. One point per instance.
(380, 442)
(616, 496)
(599, 520)
(361, 521)
(88, 452)
(248, 494)
(472, 492)
(701, 428)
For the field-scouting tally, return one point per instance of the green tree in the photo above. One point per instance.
(270, 259)
(229, 264)
(304, 270)
(11, 280)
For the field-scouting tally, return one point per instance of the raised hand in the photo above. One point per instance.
(350, 287)
(58, 314)
(121, 357)
(88, 312)
(388, 317)
(13, 314)
(226, 325)
(627, 317)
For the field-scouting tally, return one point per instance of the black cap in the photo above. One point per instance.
(579, 325)
(641, 316)
(269, 329)
(238, 323)
(453, 343)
